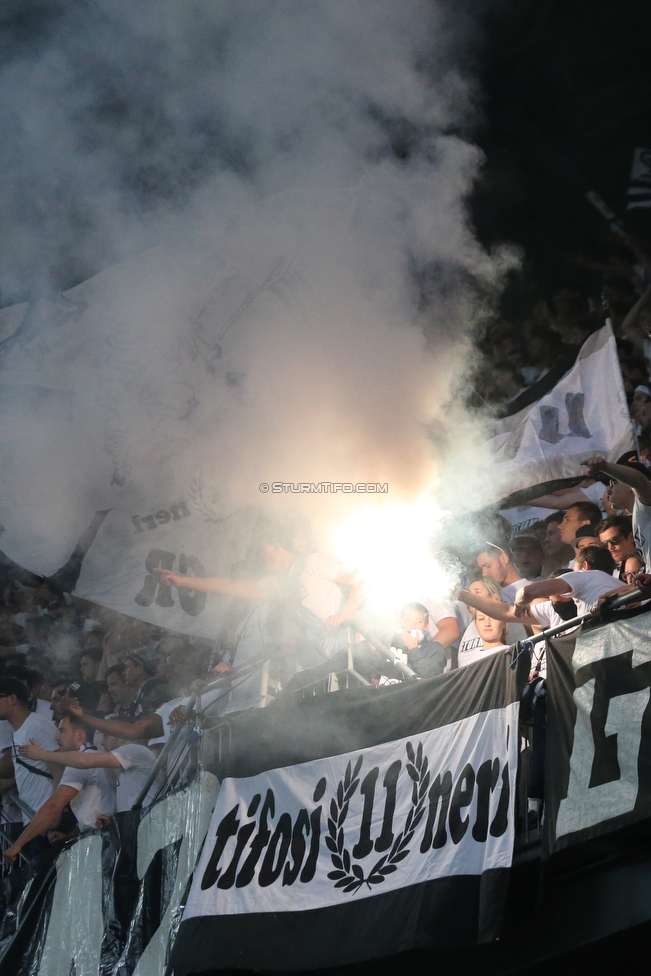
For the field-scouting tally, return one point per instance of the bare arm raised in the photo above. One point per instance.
(77, 760)
(621, 472)
(496, 609)
(147, 727)
(249, 589)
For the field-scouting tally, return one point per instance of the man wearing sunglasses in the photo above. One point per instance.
(629, 491)
(616, 535)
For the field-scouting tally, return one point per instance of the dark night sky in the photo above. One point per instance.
(567, 91)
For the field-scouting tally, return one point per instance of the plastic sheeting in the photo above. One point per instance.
(111, 903)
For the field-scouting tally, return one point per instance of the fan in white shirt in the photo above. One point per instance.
(587, 586)
(86, 790)
(33, 780)
(542, 614)
(128, 765)
(493, 633)
(487, 590)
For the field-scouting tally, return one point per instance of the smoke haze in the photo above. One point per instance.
(276, 192)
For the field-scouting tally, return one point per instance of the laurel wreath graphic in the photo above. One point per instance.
(351, 876)
(195, 491)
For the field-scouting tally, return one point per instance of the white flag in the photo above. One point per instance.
(584, 414)
(188, 534)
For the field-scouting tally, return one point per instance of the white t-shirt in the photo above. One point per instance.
(479, 654)
(33, 789)
(6, 735)
(136, 762)
(6, 731)
(168, 707)
(438, 610)
(509, 591)
(471, 641)
(43, 708)
(546, 615)
(96, 793)
(588, 585)
(642, 530)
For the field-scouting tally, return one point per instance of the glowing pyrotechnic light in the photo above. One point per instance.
(388, 544)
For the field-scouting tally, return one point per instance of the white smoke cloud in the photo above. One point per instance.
(285, 185)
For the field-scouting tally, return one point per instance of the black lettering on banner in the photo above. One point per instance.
(364, 845)
(501, 818)
(390, 782)
(259, 842)
(153, 590)
(192, 601)
(227, 829)
(162, 517)
(487, 775)
(227, 879)
(439, 794)
(309, 870)
(297, 847)
(461, 798)
(280, 850)
(282, 836)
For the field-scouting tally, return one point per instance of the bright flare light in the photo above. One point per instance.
(388, 544)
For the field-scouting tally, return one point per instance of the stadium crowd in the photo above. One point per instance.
(88, 696)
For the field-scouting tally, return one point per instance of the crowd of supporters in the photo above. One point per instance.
(88, 696)
(85, 700)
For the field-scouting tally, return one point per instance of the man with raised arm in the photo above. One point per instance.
(632, 495)
(128, 765)
(317, 583)
(85, 788)
(586, 586)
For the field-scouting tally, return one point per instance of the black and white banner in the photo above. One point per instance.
(585, 413)
(405, 840)
(598, 763)
(186, 534)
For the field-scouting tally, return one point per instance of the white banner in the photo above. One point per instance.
(187, 533)
(434, 805)
(584, 414)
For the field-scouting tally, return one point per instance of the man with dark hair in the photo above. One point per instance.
(616, 534)
(527, 554)
(630, 491)
(578, 514)
(128, 765)
(497, 563)
(557, 553)
(88, 791)
(32, 679)
(120, 694)
(149, 691)
(63, 686)
(33, 780)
